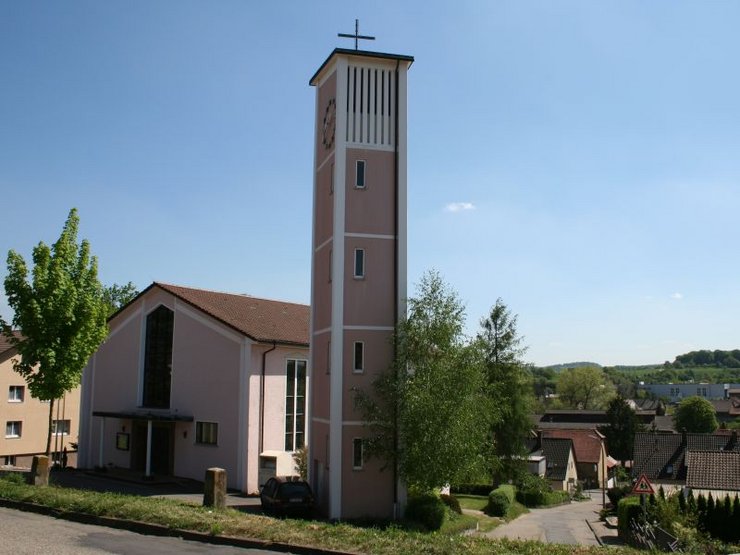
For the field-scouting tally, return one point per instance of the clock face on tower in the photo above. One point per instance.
(330, 120)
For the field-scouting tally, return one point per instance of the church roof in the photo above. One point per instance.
(261, 320)
(363, 53)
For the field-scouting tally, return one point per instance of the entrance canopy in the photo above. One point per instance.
(138, 415)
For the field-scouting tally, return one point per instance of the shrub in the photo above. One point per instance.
(498, 503)
(617, 493)
(472, 489)
(628, 510)
(533, 491)
(427, 510)
(452, 502)
(508, 490)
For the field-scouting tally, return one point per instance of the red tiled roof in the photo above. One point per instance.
(713, 470)
(262, 320)
(586, 443)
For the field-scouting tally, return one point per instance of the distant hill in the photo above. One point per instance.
(716, 359)
(560, 367)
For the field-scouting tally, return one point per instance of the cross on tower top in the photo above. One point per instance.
(357, 34)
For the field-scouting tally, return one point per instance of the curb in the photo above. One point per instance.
(162, 531)
(590, 527)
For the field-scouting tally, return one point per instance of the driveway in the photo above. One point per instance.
(574, 523)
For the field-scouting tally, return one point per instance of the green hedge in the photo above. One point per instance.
(508, 490)
(426, 509)
(498, 504)
(628, 509)
(472, 489)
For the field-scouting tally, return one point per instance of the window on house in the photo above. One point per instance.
(357, 455)
(359, 357)
(158, 358)
(9, 460)
(13, 428)
(359, 263)
(15, 393)
(206, 433)
(60, 427)
(360, 174)
(295, 404)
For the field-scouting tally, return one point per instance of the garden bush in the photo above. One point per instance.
(452, 502)
(617, 493)
(629, 509)
(472, 489)
(498, 503)
(426, 509)
(533, 491)
(508, 490)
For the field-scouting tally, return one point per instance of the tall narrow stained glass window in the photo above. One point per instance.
(158, 358)
(295, 405)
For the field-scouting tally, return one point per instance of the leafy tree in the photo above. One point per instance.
(622, 425)
(585, 387)
(695, 414)
(433, 397)
(60, 313)
(509, 388)
(117, 296)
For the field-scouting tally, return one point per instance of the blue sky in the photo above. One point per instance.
(578, 159)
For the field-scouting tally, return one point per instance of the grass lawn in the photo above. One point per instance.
(391, 540)
(487, 523)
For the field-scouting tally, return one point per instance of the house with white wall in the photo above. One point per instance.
(189, 379)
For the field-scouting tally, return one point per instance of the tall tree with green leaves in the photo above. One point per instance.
(117, 296)
(428, 414)
(60, 312)
(695, 414)
(584, 387)
(509, 389)
(622, 425)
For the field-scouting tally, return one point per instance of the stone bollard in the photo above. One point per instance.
(39, 471)
(215, 488)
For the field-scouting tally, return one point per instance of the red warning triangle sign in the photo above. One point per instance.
(643, 485)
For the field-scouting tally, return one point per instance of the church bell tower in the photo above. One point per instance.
(358, 269)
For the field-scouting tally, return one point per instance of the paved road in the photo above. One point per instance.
(31, 534)
(563, 524)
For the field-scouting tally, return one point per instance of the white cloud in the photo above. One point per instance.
(677, 296)
(459, 206)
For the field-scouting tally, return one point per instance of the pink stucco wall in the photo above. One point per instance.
(367, 492)
(378, 354)
(370, 210)
(322, 289)
(369, 301)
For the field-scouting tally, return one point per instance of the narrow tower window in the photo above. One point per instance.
(359, 357)
(360, 174)
(359, 263)
(357, 458)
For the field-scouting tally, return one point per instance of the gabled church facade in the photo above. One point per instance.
(190, 379)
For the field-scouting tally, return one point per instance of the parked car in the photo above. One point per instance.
(287, 495)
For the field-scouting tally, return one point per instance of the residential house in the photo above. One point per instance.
(189, 379)
(556, 461)
(25, 420)
(662, 457)
(589, 445)
(571, 419)
(713, 472)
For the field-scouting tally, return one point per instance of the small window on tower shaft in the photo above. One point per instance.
(357, 453)
(359, 263)
(359, 357)
(360, 174)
